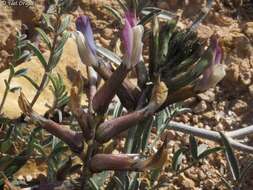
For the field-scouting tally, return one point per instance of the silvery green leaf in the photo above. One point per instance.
(123, 5)
(118, 182)
(232, 161)
(177, 158)
(193, 147)
(64, 24)
(55, 59)
(26, 55)
(114, 13)
(147, 18)
(202, 148)
(38, 53)
(46, 19)
(245, 171)
(20, 72)
(14, 89)
(31, 81)
(109, 55)
(44, 37)
(163, 14)
(8, 133)
(209, 151)
(62, 42)
(146, 134)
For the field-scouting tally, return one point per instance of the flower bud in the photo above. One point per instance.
(215, 72)
(85, 41)
(132, 40)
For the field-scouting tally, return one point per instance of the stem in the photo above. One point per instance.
(47, 70)
(240, 133)
(210, 135)
(40, 89)
(5, 93)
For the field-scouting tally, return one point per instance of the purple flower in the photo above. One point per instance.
(216, 71)
(132, 39)
(83, 25)
(131, 18)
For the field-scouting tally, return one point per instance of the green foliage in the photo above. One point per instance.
(58, 88)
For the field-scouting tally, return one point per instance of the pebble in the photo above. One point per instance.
(28, 178)
(108, 33)
(104, 42)
(208, 96)
(201, 107)
(240, 107)
(246, 78)
(186, 183)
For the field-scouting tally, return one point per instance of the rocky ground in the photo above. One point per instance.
(228, 106)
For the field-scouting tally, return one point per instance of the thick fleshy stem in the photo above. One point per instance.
(127, 92)
(72, 138)
(112, 128)
(106, 93)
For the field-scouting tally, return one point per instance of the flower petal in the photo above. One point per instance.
(128, 38)
(83, 25)
(85, 52)
(131, 18)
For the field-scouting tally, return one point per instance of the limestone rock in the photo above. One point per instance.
(69, 62)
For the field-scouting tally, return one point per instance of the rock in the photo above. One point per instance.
(208, 96)
(186, 183)
(243, 46)
(248, 29)
(68, 63)
(28, 178)
(200, 107)
(240, 107)
(108, 33)
(105, 43)
(245, 78)
(232, 73)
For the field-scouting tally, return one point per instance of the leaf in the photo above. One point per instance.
(5, 146)
(114, 13)
(61, 44)
(64, 25)
(8, 133)
(46, 19)
(118, 182)
(202, 148)
(123, 5)
(193, 147)
(232, 161)
(146, 133)
(20, 72)
(44, 37)
(109, 55)
(55, 59)
(177, 158)
(209, 151)
(92, 185)
(14, 89)
(117, 111)
(38, 54)
(163, 14)
(100, 178)
(31, 81)
(245, 171)
(147, 18)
